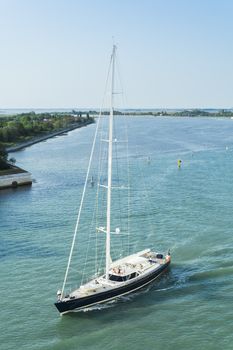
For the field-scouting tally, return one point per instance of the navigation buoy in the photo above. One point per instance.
(179, 161)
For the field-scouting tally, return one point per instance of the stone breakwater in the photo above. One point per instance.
(14, 177)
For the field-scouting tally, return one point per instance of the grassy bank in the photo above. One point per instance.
(11, 171)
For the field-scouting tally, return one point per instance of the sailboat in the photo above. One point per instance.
(122, 276)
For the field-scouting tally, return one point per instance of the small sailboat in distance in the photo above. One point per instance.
(124, 275)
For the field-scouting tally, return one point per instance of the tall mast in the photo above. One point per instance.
(108, 246)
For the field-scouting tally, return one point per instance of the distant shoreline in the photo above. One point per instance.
(212, 112)
(221, 113)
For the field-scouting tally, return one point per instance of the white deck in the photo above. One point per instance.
(141, 263)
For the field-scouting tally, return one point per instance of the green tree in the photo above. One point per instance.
(3, 157)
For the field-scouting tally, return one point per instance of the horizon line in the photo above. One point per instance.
(126, 108)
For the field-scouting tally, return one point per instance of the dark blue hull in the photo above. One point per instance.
(80, 303)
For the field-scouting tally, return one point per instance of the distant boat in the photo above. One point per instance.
(122, 276)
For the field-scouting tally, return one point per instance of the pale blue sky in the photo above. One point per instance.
(173, 53)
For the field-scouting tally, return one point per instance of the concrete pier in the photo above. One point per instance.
(14, 177)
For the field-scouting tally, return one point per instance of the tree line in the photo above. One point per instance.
(25, 126)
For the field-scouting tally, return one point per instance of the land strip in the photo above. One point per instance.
(25, 129)
(35, 140)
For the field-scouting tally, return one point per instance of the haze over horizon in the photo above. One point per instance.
(173, 54)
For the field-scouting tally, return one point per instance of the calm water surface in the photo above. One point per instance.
(191, 212)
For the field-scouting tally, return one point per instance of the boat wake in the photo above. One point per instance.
(98, 307)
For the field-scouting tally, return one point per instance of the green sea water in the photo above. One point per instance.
(191, 211)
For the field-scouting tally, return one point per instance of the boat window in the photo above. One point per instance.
(117, 278)
(132, 275)
(159, 256)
